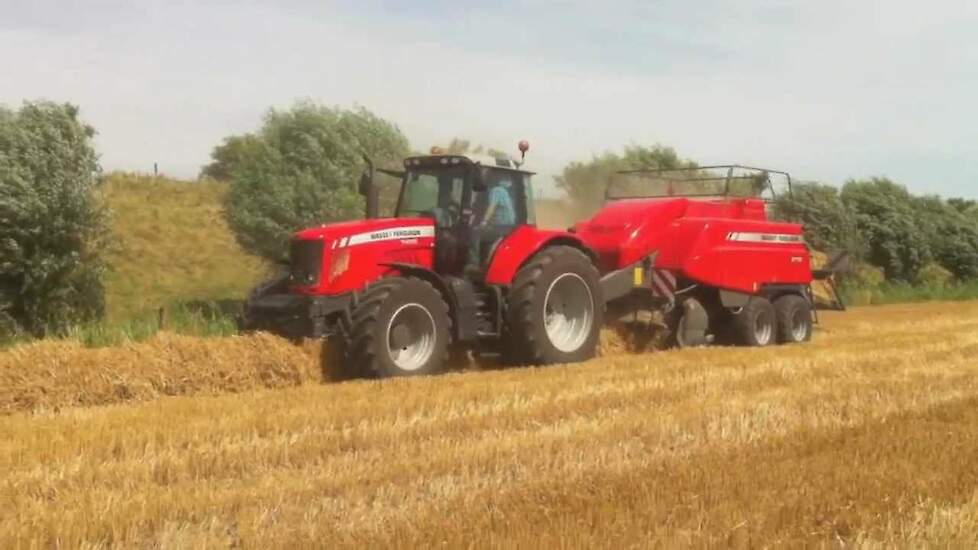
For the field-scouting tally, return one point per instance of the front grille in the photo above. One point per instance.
(305, 261)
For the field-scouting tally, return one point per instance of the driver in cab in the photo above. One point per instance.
(500, 210)
(500, 215)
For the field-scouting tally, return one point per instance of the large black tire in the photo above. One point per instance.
(563, 281)
(399, 327)
(756, 324)
(794, 314)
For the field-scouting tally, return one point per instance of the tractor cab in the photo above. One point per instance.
(474, 202)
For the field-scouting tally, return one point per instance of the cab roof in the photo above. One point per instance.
(500, 163)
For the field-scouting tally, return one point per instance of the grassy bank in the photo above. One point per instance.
(171, 245)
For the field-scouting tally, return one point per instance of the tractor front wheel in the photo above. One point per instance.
(399, 327)
(555, 309)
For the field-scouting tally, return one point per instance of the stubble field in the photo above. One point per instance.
(868, 436)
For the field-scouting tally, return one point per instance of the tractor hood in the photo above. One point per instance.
(346, 256)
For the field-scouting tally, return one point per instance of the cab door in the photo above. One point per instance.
(451, 227)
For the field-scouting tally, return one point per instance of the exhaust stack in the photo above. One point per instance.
(369, 191)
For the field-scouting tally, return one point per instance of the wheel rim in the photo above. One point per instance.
(799, 326)
(568, 312)
(763, 329)
(411, 337)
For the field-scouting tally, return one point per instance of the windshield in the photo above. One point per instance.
(709, 181)
(433, 193)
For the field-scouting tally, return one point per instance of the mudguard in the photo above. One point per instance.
(520, 245)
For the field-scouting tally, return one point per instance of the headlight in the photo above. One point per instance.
(339, 262)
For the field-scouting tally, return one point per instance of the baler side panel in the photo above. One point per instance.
(709, 251)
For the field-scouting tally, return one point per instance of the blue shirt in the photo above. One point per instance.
(504, 213)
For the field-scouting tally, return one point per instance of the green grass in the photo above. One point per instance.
(177, 318)
(171, 244)
(898, 293)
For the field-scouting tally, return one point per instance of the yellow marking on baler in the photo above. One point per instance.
(638, 276)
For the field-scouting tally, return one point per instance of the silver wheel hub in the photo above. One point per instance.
(799, 327)
(568, 309)
(763, 329)
(411, 337)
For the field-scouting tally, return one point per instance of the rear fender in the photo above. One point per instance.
(521, 245)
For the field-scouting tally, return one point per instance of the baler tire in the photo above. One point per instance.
(794, 314)
(527, 336)
(756, 324)
(371, 327)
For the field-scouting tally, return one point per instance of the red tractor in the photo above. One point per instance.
(463, 265)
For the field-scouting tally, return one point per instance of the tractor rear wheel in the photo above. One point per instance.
(554, 308)
(399, 327)
(756, 324)
(794, 315)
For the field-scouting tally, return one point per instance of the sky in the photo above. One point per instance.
(826, 90)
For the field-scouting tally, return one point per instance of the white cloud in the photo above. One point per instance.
(827, 90)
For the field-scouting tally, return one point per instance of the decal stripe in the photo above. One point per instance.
(773, 238)
(391, 234)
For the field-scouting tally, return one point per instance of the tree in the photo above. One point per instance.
(962, 205)
(53, 228)
(952, 236)
(884, 214)
(301, 169)
(585, 182)
(828, 223)
(229, 155)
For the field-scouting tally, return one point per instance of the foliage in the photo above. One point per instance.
(934, 275)
(229, 155)
(585, 182)
(952, 235)
(881, 223)
(301, 169)
(962, 205)
(884, 215)
(828, 223)
(54, 228)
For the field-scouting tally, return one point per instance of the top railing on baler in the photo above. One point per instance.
(729, 180)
